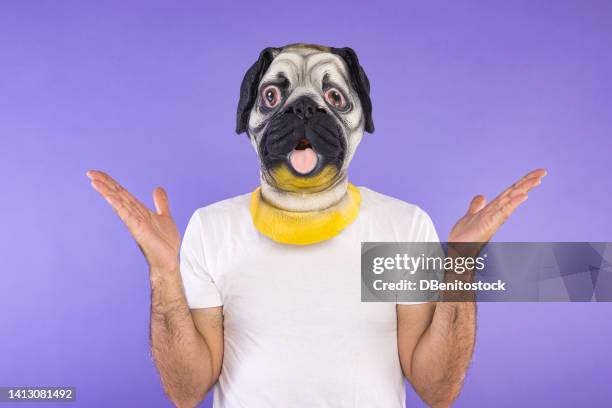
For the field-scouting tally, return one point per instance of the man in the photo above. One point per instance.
(264, 301)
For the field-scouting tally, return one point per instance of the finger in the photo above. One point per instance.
(126, 212)
(526, 186)
(523, 185)
(108, 180)
(523, 188)
(477, 204)
(535, 174)
(500, 216)
(123, 196)
(100, 176)
(104, 190)
(160, 199)
(96, 175)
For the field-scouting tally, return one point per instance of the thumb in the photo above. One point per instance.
(477, 204)
(160, 199)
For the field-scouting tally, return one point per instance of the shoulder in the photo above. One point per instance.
(411, 222)
(223, 214)
(228, 207)
(382, 204)
(219, 231)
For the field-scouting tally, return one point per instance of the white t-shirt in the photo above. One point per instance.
(295, 331)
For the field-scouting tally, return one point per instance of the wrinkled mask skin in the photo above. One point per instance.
(305, 108)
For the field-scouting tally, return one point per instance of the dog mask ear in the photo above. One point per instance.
(359, 81)
(249, 86)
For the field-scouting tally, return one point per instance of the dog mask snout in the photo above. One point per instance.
(305, 108)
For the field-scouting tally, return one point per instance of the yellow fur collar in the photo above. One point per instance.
(307, 227)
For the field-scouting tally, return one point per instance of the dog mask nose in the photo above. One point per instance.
(304, 108)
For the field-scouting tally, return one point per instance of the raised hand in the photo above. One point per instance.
(155, 232)
(481, 221)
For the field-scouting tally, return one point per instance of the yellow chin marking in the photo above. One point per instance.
(286, 180)
(307, 227)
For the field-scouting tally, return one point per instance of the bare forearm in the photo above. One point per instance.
(443, 353)
(181, 354)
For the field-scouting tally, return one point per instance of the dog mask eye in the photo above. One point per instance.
(335, 98)
(271, 96)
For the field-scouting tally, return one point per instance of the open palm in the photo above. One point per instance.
(482, 220)
(155, 232)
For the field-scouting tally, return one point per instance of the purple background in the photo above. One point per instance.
(468, 96)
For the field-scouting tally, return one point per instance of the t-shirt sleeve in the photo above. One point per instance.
(200, 288)
(424, 231)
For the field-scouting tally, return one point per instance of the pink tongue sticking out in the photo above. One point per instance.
(303, 161)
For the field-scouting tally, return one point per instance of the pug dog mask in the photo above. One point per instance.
(304, 108)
